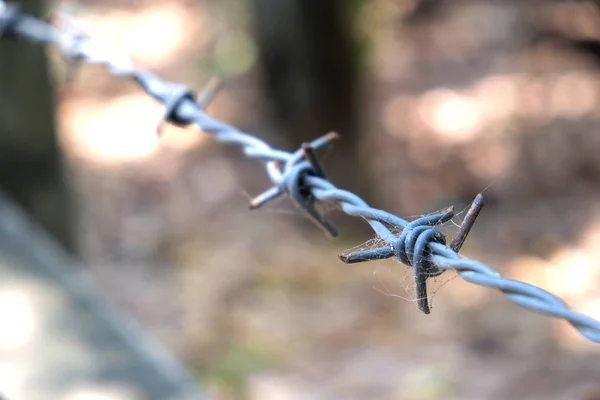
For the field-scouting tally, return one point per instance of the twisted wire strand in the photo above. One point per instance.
(300, 176)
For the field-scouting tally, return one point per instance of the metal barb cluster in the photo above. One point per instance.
(300, 176)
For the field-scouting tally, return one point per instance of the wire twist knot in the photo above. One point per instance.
(412, 248)
(293, 181)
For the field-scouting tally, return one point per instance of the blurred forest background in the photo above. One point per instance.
(435, 101)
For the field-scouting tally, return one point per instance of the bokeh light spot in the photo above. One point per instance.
(573, 95)
(454, 117)
(497, 96)
(19, 317)
(235, 54)
(123, 129)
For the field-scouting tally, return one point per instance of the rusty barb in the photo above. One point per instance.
(411, 247)
(301, 176)
(301, 164)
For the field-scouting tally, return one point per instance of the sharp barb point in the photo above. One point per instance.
(310, 155)
(421, 288)
(265, 197)
(449, 211)
(333, 136)
(209, 92)
(465, 228)
(344, 258)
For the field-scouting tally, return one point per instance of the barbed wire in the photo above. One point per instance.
(300, 176)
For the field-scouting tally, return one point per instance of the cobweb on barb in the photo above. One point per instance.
(393, 278)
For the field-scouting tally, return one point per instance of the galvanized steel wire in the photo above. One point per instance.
(300, 176)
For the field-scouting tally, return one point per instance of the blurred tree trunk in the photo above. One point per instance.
(309, 58)
(31, 164)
